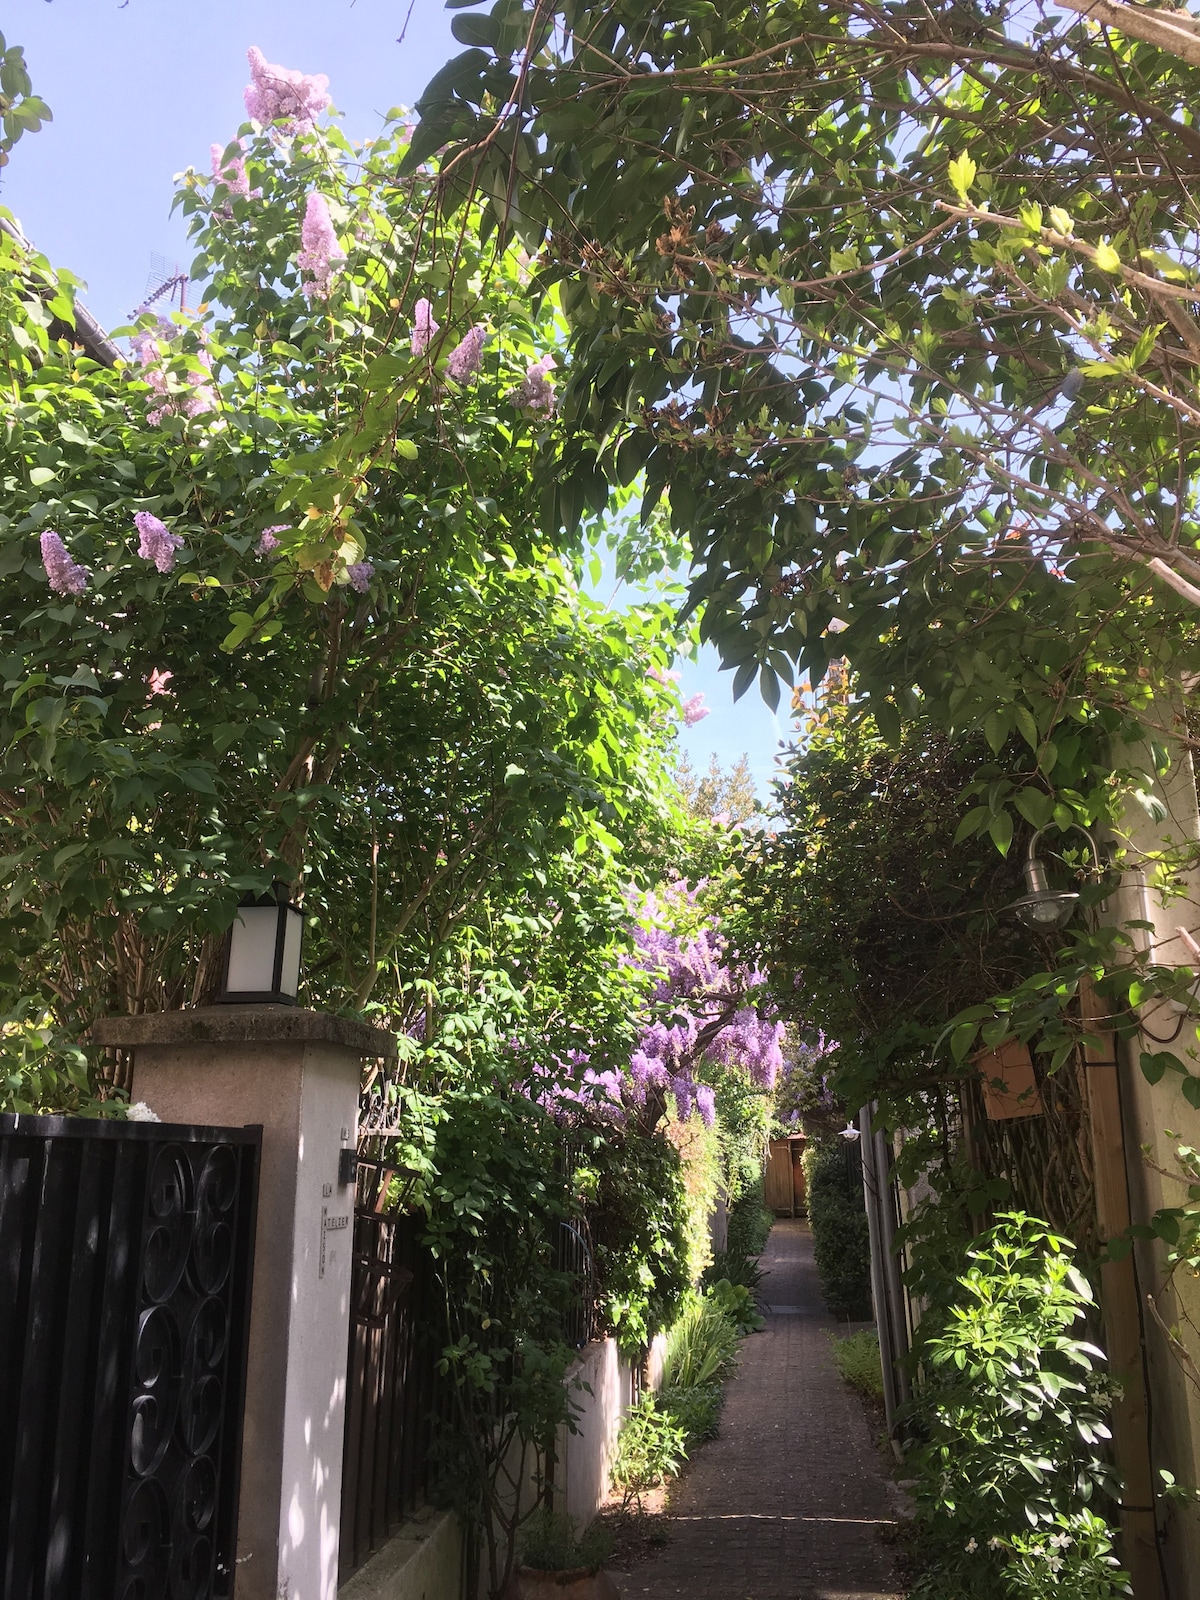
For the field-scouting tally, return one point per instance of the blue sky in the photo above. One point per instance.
(140, 91)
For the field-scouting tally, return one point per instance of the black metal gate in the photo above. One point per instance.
(125, 1266)
(393, 1389)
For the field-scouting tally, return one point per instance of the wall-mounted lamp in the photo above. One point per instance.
(262, 955)
(1042, 907)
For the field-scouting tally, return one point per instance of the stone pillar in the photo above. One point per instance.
(298, 1074)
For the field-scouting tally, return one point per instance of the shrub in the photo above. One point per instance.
(737, 1303)
(838, 1216)
(549, 1543)
(750, 1225)
(857, 1359)
(1010, 1480)
(652, 1448)
(697, 1410)
(701, 1346)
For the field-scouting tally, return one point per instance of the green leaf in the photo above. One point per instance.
(962, 174)
(1001, 830)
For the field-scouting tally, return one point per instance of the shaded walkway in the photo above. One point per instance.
(788, 1503)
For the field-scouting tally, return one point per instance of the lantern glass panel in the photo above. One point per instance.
(252, 950)
(289, 976)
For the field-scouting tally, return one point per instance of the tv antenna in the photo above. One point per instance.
(165, 279)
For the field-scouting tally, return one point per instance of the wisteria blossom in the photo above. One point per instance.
(282, 95)
(424, 327)
(267, 540)
(536, 392)
(360, 574)
(191, 395)
(320, 252)
(231, 172)
(64, 575)
(694, 710)
(466, 356)
(156, 542)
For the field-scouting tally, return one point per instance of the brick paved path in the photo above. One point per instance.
(788, 1502)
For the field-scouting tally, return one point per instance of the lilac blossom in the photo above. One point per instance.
(536, 393)
(465, 357)
(62, 574)
(360, 574)
(424, 327)
(187, 399)
(320, 250)
(231, 172)
(694, 710)
(267, 541)
(663, 675)
(156, 542)
(282, 95)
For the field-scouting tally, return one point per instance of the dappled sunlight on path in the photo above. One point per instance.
(789, 1502)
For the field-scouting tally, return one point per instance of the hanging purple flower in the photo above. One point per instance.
(320, 251)
(694, 710)
(156, 542)
(360, 574)
(465, 357)
(267, 540)
(62, 574)
(424, 327)
(706, 1105)
(280, 94)
(536, 393)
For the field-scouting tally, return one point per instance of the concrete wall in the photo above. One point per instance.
(601, 1386)
(422, 1562)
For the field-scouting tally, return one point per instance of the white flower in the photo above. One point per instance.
(1054, 1563)
(995, 1544)
(849, 1133)
(971, 1547)
(141, 1112)
(1060, 1541)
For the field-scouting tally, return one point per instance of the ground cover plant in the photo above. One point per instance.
(856, 1356)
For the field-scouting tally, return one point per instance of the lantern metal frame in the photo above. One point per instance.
(286, 952)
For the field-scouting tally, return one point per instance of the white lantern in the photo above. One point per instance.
(262, 956)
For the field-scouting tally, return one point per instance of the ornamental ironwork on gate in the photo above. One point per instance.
(125, 1268)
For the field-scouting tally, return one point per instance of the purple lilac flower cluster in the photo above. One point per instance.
(360, 574)
(267, 542)
(156, 542)
(466, 356)
(536, 392)
(281, 95)
(424, 327)
(320, 252)
(231, 172)
(148, 351)
(64, 575)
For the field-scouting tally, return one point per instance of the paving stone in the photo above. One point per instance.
(789, 1502)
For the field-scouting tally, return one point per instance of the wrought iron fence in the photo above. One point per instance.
(126, 1252)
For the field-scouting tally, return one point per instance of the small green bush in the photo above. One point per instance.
(702, 1346)
(736, 1301)
(696, 1410)
(857, 1359)
(652, 1448)
(841, 1243)
(1012, 1488)
(549, 1543)
(750, 1225)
